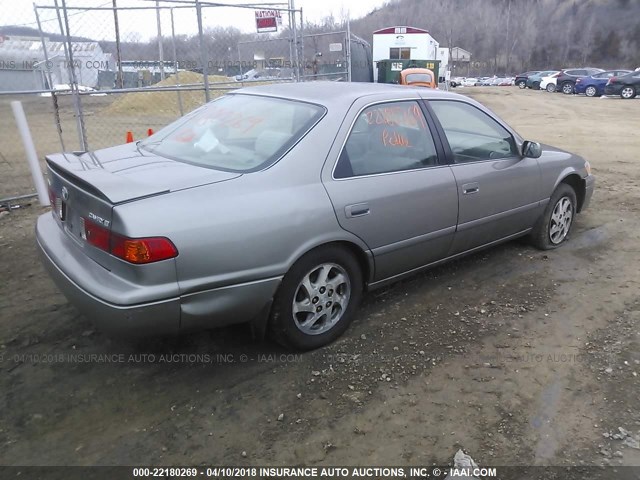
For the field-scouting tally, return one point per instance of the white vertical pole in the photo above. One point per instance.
(30, 150)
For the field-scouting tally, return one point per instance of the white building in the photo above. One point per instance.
(23, 66)
(406, 43)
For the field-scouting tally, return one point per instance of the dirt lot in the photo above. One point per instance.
(515, 355)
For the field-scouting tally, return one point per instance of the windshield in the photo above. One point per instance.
(419, 77)
(237, 133)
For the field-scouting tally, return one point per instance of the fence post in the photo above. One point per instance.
(68, 50)
(30, 150)
(160, 49)
(203, 56)
(348, 48)
(175, 61)
(48, 65)
(118, 54)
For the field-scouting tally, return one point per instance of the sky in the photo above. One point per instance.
(141, 24)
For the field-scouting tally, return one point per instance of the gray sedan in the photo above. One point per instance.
(280, 205)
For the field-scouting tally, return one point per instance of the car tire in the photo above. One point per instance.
(326, 287)
(536, 86)
(554, 226)
(551, 87)
(522, 84)
(628, 92)
(591, 91)
(567, 88)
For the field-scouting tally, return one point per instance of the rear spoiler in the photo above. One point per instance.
(93, 178)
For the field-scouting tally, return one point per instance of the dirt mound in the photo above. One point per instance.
(167, 102)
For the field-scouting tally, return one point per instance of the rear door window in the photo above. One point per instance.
(387, 137)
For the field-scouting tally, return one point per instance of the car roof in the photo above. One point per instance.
(338, 93)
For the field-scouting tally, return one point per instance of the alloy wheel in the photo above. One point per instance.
(627, 92)
(590, 91)
(561, 219)
(321, 298)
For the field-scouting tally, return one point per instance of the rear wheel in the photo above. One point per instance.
(317, 299)
(553, 227)
(551, 87)
(567, 88)
(591, 91)
(628, 92)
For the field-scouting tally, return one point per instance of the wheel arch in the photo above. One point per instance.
(579, 186)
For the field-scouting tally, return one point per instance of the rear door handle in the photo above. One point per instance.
(356, 210)
(469, 188)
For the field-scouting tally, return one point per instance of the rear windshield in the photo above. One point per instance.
(236, 133)
(419, 77)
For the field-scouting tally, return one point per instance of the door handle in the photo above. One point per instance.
(356, 210)
(469, 188)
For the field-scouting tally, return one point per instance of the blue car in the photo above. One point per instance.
(593, 86)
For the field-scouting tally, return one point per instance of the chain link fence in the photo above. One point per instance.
(88, 75)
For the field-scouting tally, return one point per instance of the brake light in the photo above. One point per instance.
(142, 250)
(578, 80)
(132, 250)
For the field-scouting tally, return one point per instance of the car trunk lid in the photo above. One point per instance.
(87, 186)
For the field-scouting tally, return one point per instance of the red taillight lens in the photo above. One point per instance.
(133, 250)
(96, 235)
(142, 250)
(555, 75)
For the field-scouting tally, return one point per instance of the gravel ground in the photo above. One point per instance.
(516, 356)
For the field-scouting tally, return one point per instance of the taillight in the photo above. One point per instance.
(556, 75)
(133, 250)
(578, 80)
(142, 250)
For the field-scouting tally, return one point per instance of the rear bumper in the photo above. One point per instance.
(614, 89)
(211, 308)
(590, 184)
(57, 253)
(579, 88)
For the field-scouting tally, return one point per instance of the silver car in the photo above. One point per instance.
(280, 205)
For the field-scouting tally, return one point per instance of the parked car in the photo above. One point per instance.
(456, 81)
(549, 83)
(521, 79)
(469, 82)
(505, 82)
(566, 81)
(593, 86)
(627, 86)
(281, 204)
(418, 77)
(534, 81)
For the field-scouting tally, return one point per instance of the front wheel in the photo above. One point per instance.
(317, 299)
(553, 227)
(591, 91)
(522, 84)
(567, 88)
(628, 92)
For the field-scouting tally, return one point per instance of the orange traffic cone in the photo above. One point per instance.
(149, 132)
(129, 137)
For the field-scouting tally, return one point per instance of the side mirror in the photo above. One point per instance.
(531, 149)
